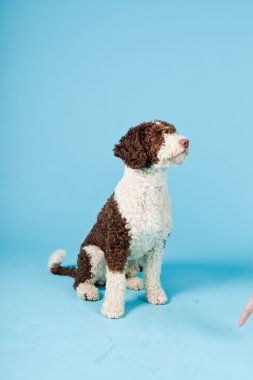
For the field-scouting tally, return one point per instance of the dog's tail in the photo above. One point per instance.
(55, 267)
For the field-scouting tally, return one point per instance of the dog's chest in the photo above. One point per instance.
(143, 201)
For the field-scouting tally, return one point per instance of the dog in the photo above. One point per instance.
(131, 229)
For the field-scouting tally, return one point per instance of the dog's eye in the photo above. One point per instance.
(170, 129)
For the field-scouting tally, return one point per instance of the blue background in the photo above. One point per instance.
(75, 75)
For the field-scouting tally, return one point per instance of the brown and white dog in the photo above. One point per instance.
(133, 225)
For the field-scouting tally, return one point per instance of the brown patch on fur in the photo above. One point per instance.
(131, 148)
(139, 147)
(109, 234)
(83, 272)
(63, 271)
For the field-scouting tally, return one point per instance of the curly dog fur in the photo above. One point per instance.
(132, 227)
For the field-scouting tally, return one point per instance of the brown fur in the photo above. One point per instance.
(139, 147)
(83, 272)
(63, 271)
(109, 234)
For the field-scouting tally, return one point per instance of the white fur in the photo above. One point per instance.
(97, 262)
(171, 152)
(133, 268)
(113, 305)
(86, 290)
(152, 271)
(142, 198)
(134, 283)
(56, 257)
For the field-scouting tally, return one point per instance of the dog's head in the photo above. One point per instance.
(155, 143)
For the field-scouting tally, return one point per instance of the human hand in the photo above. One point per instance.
(247, 311)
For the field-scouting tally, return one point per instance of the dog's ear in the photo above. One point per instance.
(131, 148)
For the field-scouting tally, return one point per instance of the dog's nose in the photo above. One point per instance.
(184, 143)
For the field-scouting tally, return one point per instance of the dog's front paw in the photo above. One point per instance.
(134, 283)
(157, 297)
(112, 310)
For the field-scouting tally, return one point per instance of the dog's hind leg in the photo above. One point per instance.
(87, 291)
(90, 269)
(132, 280)
(134, 283)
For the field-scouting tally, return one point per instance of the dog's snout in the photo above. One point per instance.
(184, 143)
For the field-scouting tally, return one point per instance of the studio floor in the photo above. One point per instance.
(47, 332)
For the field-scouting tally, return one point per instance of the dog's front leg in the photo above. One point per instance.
(114, 303)
(152, 270)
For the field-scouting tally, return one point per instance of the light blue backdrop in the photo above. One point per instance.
(75, 75)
